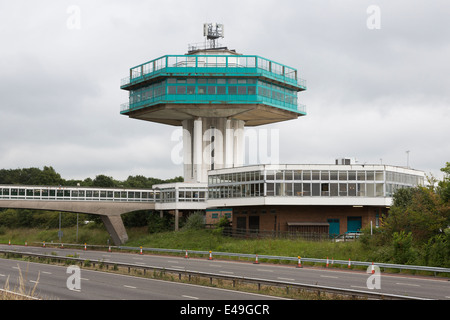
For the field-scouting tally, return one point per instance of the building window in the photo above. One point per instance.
(325, 189)
(306, 189)
(181, 90)
(370, 189)
(270, 189)
(221, 90)
(297, 189)
(190, 89)
(306, 175)
(171, 90)
(334, 190)
(242, 90)
(202, 90)
(316, 189)
(352, 189)
(342, 189)
(211, 90)
(352, 175)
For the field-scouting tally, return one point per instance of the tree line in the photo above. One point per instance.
(47, 176)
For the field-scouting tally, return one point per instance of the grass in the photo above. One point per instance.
(86, 234)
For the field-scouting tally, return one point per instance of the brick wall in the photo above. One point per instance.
(276, 217)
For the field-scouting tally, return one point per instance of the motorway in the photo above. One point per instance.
(51, 284)
(99, 285)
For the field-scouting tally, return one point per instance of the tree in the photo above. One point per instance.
(31, 176)
(195, 221)
(444, 185)
(422, 211)
(103, 181)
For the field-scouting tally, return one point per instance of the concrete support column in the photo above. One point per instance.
(197, 149)
(211, 140)
(238, 145)
(177, 217)
(114, 225)
(188, 156)
(229, 144)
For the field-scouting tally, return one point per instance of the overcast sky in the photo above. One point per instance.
(373, 94)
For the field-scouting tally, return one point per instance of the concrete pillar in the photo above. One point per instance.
(198, 149)
(114, 225)
(229, 144)
(188, 155)
(238, 152)
(177, 217)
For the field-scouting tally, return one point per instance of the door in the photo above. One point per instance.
(241, 223)
(334, 228)
(253, 223)
(353, 224)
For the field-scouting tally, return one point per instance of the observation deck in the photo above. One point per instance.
(251, 88)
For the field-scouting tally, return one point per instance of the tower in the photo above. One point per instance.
(212, 93)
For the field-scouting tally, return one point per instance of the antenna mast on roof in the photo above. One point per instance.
(212, 32)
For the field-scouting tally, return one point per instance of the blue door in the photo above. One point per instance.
(353, 224)
(334, 227)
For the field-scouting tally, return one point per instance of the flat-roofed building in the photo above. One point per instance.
(322, 198)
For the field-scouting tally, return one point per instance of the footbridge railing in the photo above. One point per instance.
(62, 193)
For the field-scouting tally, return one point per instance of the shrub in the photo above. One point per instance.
(402, 246)
(195, 221)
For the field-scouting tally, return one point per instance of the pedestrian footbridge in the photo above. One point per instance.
(107, 202)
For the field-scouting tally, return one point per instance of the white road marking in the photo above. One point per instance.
(288, 279)
(131, 287)
(190, 297)
(408, 284)
(329, 277)
(264, 270)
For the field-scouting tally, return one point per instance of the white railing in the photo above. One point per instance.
(60, 193)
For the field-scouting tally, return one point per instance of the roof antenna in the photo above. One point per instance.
(212, 32)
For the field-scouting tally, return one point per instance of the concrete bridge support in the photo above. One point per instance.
(114, 225)
(110, 212)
